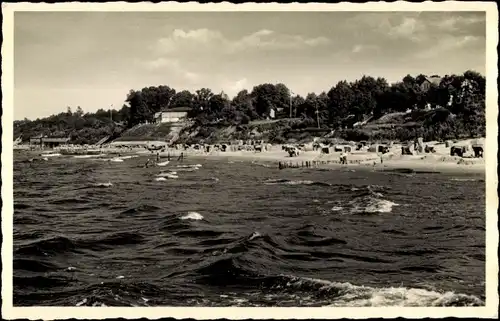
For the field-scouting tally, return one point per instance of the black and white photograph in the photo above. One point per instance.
(170, 157)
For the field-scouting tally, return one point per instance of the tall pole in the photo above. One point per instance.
(290, 102)
(317, 112)
(111, 113)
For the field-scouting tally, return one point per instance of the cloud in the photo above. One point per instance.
(448, 44)
(454, 23)
(363, 48)
(173, 66)
(182, 39)
(237, 86)
(205, 39)
(410, 28)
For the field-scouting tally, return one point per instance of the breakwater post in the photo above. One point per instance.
(312, 164)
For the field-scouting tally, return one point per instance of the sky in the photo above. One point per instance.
(93, 59)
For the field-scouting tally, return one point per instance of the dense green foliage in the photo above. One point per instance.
(80, 127)
(457, 101)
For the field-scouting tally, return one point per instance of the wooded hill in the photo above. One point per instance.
(435, 108)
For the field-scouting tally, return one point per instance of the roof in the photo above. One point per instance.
(55, 139)
(176, 109)
(434, 80)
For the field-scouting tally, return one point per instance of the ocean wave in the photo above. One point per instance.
(465, 179)
(108, 184)
(164, 176)
(195, 166)
(192, 216)
(61, 245)
(369, 199)
(294, 182)
(34, 265)
(349, 295)
(143, 208)
(47, 247)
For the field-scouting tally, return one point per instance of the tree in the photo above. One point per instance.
(242, 103)
(182, 99)
(341, 100)
(202, 99)
(79, 111)
(267, 96)
(139, 110)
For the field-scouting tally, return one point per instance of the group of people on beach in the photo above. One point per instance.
(153, 163)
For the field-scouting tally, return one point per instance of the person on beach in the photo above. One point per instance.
(343, 158)
(157, 157)
(147, 163)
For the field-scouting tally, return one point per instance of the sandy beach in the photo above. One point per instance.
(439, 161)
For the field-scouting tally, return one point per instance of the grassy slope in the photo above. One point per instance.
(146, 132)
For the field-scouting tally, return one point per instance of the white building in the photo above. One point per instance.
(173, 115)
(272, 113)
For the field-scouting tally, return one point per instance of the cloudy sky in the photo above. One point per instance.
(92, 59)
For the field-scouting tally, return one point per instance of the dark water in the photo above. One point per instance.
(231, 233)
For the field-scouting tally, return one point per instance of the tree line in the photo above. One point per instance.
(461, 99)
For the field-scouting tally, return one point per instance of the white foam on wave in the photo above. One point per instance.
(85, 156)
(288, 182)
(254, 236)
(108, 184)
(364, 296)
(158, 179)
(192, 216)
(337, 208)
(51, 155)
(373, 205)
(463, 179)
(167, 175)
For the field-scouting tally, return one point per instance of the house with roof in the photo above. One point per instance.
(172, 115)
(45, 141)
(429, 81)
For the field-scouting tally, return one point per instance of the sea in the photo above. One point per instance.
(225, 232)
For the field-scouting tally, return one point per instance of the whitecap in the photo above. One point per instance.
(85, 156)
(337, 208)
(120, 277)
(81, 302)
(365, 296)
(373, 205)
(51, 155)
(254, 235)
(192, 216)
(166, 175)
(160, 179)
(108, 184)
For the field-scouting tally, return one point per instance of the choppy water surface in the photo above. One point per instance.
(229, 233)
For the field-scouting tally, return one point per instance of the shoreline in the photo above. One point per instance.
(395, 164)
(438, 162)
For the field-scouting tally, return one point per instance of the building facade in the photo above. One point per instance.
(49, 141)
(429, 81)
(173, 115)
